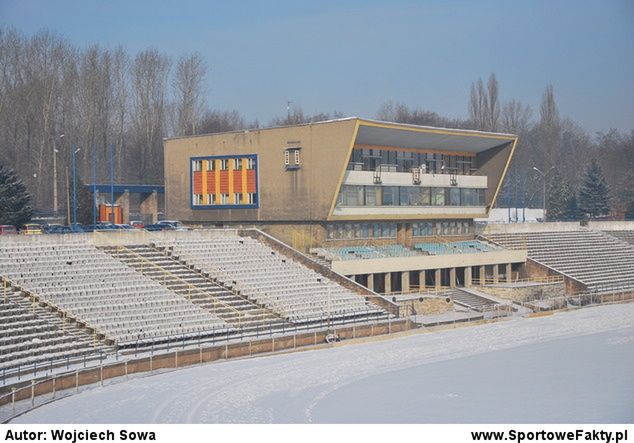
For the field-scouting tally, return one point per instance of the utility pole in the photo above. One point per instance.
(544, 174)
(74, 165)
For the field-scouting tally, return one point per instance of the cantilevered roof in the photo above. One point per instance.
(378, 133)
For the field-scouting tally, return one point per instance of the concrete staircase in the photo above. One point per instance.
(470, 299)
(233, 308)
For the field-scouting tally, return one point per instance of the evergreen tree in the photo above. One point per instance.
(85, 203)
(15, 201)
(572, 208)
(562, 202)
(594, 195)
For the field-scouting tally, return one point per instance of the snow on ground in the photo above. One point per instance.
(569, 367)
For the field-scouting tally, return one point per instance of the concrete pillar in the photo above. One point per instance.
(405, 281)
(437, 278)
(483, 274)
(496, 274)
(421, 280)
(123, 200)
(388, 282)
(452, 277)
(468, 276)
(149, 207)
(509, 273)
(371, 282)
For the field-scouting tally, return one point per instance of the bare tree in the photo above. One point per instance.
(150, 72)
(189, 93)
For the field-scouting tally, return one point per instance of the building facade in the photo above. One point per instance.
(340, 182)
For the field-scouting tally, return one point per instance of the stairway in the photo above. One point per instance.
(233, 308)
(469, 300)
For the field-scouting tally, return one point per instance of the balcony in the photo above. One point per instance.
(388, 178)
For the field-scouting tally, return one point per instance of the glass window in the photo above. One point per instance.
(250, 163)
(481, 200)
(390, 196)
(425, 196)
(352, 195)
(454, 196)
(370, 195)
(198, 165)
(468, 197)
(438, 196)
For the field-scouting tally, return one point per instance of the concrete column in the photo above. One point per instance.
(421, 280)
(483, 274)
(468, 276)
(452, 277)
(405, 281)
(496, 274)
(371, 282)
(388, 282)
(123, 200)
(509, 272)
(149, 206)
(437, 278)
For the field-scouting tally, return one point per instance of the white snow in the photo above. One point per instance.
(570, 367)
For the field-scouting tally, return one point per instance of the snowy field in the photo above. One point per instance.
(569, 367)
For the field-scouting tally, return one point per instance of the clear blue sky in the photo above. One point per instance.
(352, 56)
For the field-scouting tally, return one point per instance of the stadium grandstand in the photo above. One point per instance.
(295, 236)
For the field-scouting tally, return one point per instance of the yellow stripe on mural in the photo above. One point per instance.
(245, 193)
(230, 175)
(203, 174)
(217, 183)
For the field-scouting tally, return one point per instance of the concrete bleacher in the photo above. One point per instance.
(234, 309)
(363, 252)
(596, 259)
(626, 236)
(460, 247)
(300, 295)
(32, 335)
(87, 284)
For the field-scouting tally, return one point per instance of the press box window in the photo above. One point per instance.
(292, 158)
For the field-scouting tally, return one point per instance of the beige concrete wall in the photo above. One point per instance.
(525, 293)
(299, 195)
(396, 264)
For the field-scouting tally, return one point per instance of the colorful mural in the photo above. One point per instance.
(224, 182)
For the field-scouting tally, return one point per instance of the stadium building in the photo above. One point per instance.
(391, 205)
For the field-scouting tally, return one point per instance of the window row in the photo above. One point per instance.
(225, 164)
(350, 231)
(351, 195)
(424, 229)
(223, 199)
(365, 159)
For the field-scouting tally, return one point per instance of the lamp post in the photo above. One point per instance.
(55, 196)
(544, 174)
(74, 166)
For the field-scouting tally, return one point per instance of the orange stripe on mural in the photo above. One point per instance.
(198, 182)
(251, 181)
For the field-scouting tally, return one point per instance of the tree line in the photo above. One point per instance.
(55, 96)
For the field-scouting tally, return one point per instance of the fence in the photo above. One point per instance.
(24, 396)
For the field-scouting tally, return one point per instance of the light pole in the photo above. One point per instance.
(544, 174)
(55, 197)
(74, 166)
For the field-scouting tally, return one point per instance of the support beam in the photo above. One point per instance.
(468, 274)
(405, 281)
(149, 207)
(123, 200)
(496, 274)
(388, 283)
(437, 278)
(483, 274)
(452, 277)
(509, 272)
(371, 282)
(421, 280)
